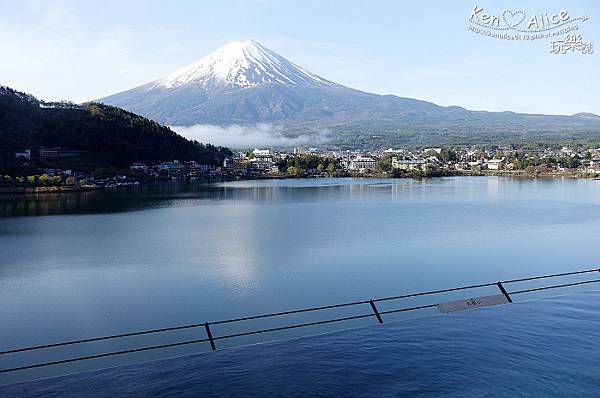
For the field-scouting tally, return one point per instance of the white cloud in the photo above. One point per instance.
(260, 135)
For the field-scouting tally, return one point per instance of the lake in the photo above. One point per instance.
(89, 264)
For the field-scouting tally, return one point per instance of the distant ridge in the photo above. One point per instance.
(587, 115)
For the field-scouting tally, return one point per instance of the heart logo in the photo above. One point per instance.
(513, 18)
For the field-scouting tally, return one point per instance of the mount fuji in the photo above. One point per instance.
(242, 65)
(245, 83)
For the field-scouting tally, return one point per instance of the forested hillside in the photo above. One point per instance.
(107, 136)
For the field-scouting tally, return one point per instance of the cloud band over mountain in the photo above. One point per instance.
(255, 136)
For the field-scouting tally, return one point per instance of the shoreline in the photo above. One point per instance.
(46, 190)
(90, 188)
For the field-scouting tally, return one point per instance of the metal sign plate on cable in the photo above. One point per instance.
(477, 302)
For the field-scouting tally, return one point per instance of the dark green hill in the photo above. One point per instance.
(107, 136)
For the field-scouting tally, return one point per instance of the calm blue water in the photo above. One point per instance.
(543, 348)
(81, 265)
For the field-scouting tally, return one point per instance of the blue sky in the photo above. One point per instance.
(81, 50)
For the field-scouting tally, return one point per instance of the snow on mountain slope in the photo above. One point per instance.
(241, 64)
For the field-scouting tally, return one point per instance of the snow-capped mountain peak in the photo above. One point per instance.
(240, 65)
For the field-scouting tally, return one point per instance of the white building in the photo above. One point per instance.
(264, 155)
(228, 164)
(495, 164)
(393, 151)
(362, 164)
(261, 153)
(174, 166)
(408, 165)
(24, 154)
(262, 165)
(298, 150)
(143, 167)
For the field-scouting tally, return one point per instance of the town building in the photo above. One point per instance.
(228, 165)
(57, 152)
(139, 167)
(24, 154)
(259, 166)
(494, 164)
(362, 164)
(408, 164)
